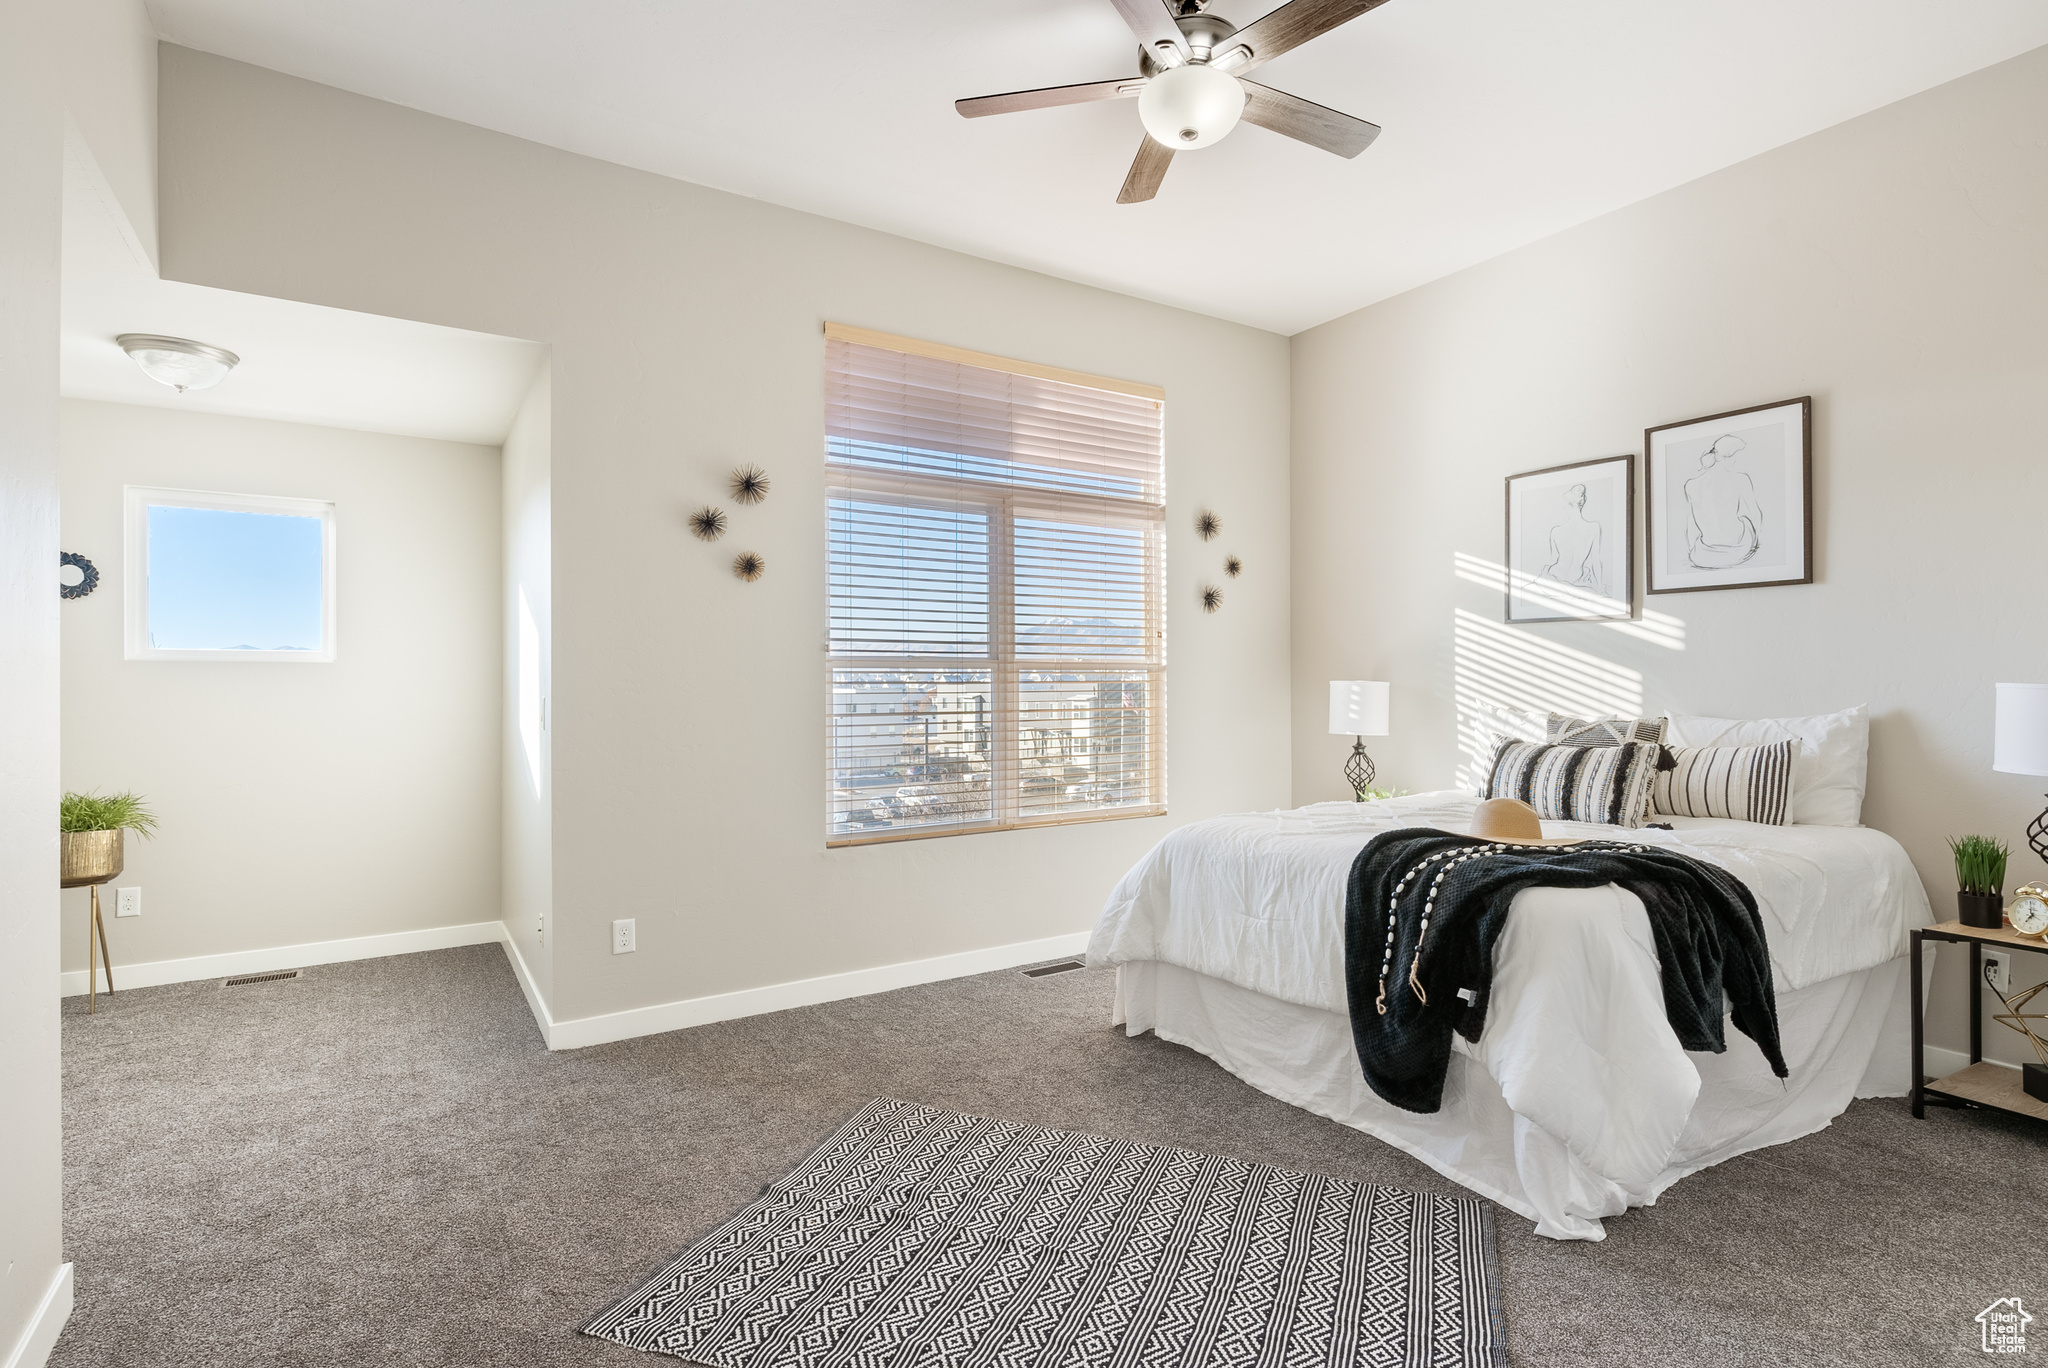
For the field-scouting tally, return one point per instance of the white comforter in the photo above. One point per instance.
(1576, 1035)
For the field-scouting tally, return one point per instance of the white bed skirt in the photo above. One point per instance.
(1843, 1038)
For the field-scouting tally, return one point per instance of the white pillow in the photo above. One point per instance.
(1834, 757)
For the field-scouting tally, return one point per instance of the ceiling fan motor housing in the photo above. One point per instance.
(1205, 34)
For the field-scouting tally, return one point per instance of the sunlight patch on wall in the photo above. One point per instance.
(1659, 629)
(1497, 666)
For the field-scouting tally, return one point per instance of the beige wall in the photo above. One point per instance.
(527, 817)
(109, 72)
(688, 708)
(1894, 268)
(31, 170)
(298, 802)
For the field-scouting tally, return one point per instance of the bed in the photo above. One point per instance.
(1576, 1102)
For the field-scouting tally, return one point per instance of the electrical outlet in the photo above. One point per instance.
(1998, 970)
(128, 902)
(622, 936)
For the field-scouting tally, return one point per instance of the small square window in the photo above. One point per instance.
(229, 577)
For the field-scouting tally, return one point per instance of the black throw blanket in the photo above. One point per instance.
(1423, 910)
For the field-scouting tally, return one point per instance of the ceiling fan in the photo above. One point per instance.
(1190, 85)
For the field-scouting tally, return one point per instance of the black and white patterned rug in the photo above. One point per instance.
(916, 1236)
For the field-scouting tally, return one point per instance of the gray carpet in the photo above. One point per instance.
(379, 1163)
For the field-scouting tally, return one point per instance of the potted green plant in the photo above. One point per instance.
(92, 825)
(1980, 879)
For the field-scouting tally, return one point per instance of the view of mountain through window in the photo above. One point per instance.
(997, 631)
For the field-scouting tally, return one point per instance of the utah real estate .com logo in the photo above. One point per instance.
(2005, 1324)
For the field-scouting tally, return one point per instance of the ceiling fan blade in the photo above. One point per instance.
(1147, 170)
(1285, 29)
(1049, 97)
(1153, 22)
(1306, 121)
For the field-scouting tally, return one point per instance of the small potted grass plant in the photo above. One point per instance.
(92, 825)
(1980, 879)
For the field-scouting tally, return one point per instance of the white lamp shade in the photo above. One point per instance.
(1190, 106)
(2020, 736)
(1358, 707)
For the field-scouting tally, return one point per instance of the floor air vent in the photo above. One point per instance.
(261, 978)
(1064, 966)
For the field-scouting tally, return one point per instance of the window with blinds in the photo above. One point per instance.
(998, 634)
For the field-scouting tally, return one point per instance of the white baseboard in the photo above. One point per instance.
(1940, 1063)
(155, 972)
(528, 985)
(1936, 1062)
(39, 1337)
(595, 1030)
(777, 997)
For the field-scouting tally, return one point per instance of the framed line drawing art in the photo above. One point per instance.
(1728, 499)
(1571, 542)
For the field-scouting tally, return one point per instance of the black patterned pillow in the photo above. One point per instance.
(1605, 731)
(1605, 784)
(1746, 783)
(1560, 730)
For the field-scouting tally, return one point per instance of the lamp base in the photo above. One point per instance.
(1359, 770)
(2037, 834)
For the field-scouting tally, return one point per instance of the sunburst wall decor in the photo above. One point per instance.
(1212, 598)
(749, 484)
(748, 565)
(1232, 566)
(707, 524)
(1208, 524)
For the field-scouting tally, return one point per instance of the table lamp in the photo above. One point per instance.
(1358, 709)
(2020, 744)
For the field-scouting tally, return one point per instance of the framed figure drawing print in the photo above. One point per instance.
(1571, 542)
(1729, 499)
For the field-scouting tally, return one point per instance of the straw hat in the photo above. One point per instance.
(1512, 821)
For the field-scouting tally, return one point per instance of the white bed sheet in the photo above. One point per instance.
(1594, 1093)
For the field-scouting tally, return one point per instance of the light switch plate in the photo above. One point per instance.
(622, 936)
(128, 902)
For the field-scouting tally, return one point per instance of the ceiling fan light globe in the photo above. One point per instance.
(1190, 106)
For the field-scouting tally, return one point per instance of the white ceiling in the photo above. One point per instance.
(1505, 120)
(299, 362)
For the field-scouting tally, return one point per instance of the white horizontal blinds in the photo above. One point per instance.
(909, 576)
(997, 629)
(894, 410)
(1085, 740)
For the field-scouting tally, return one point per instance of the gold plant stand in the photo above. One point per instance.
(91, 858)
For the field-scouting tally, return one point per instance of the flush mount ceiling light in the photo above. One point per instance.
(1190, 85)
(177, 362)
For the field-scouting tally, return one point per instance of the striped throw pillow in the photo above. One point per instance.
(1745, 783)
(1560, 730)
(1605, 784)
